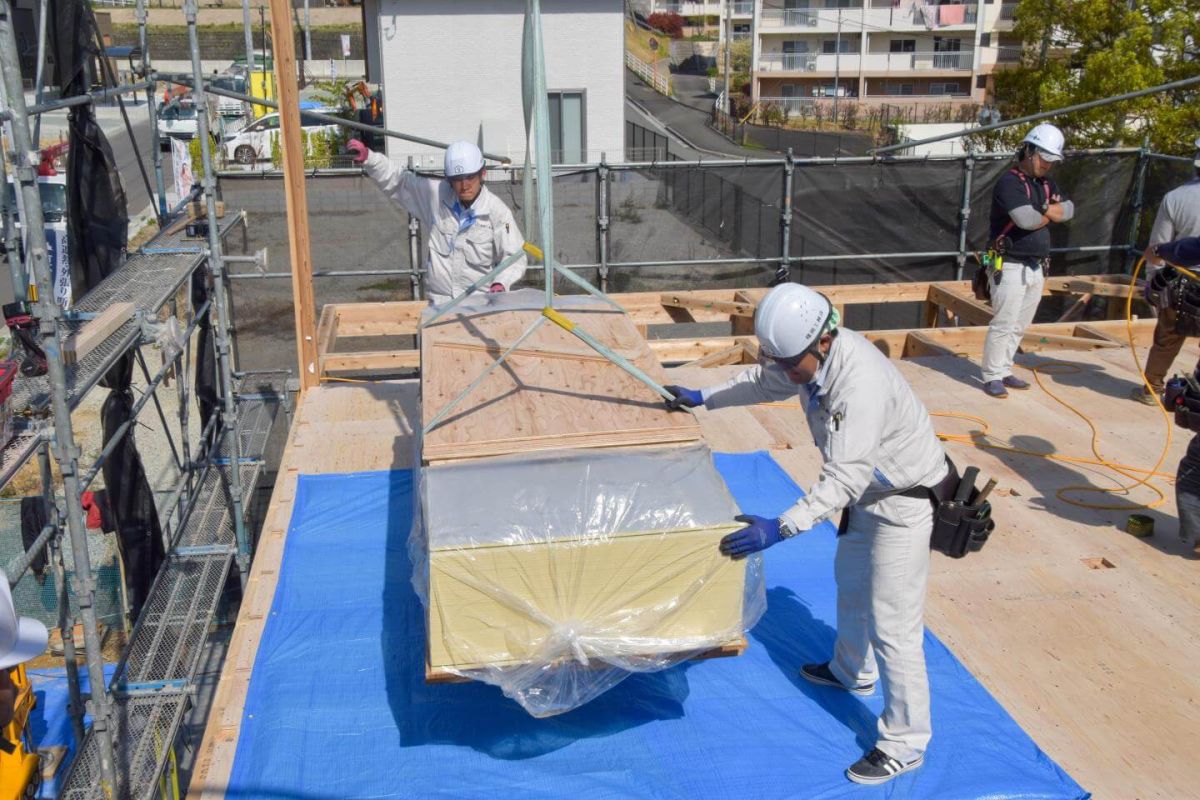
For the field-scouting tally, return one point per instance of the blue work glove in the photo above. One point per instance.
(684, 398)
(759, 534)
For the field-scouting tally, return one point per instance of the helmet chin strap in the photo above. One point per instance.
(830, 326)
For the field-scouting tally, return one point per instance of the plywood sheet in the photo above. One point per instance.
(553, 392)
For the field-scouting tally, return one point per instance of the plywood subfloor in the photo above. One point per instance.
(1097, 663)
(553, 391)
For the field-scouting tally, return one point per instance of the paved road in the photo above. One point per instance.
(686, 120)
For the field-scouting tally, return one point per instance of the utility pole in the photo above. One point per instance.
(728, 53)
(837, 63)
(248, 32)
(307, 34)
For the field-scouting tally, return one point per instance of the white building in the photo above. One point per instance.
(897, 52)
(451, 69)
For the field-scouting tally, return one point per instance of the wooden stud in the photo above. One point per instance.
(95, 331)
(294, 192)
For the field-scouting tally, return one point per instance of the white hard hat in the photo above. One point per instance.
(463, 158)
(1048, 139)
(21, 638)
(790, 320)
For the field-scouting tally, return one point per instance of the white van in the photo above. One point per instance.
(253, 143)
(228, 106)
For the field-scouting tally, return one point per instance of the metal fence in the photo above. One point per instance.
(656, 222)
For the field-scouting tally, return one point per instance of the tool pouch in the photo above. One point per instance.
(981, 284)
(961, 524)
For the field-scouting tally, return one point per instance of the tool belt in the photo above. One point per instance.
(962, 519)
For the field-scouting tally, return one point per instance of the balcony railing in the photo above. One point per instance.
(809, 62)
(1008, 11)
(909, 18)
(962, 60)
(692, 9)
(743, 9)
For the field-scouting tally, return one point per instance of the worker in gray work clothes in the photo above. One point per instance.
(1024, 204)
(880, 454)
(470, 229)
(1178, 217)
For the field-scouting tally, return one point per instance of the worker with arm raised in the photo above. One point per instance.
(881, 458)
(470, 230)
(1025, 202)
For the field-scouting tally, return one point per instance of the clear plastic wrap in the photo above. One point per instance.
(556, 575)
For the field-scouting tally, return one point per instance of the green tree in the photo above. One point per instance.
(1074, 51)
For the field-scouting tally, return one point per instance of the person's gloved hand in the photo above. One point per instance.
(495, 287)
(357, 149)
(759, 534)
(684, 398)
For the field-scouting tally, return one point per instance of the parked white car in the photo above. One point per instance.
(253, 143)
(177, 119)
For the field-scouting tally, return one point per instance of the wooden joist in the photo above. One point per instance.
(683, 300)
(962, 304)
(95, 331)
(735, 307)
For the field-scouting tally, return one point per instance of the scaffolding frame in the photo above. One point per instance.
(135, 716)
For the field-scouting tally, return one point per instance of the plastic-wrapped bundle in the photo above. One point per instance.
(554, 576)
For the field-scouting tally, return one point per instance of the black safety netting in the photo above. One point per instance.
(687, 214)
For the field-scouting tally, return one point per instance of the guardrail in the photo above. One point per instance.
(659, 80)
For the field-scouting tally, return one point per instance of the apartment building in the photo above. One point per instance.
(875, 51)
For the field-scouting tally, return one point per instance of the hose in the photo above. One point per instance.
(1125, 470)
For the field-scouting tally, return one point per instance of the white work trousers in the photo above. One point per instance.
(882, 567)
(1015, 300)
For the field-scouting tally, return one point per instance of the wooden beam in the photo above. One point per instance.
(377, 361)
(1099, 285)
(918, 344)
(294, 194)
(95, 331)
(962, 305)
(326, 334)
(683, 300)
(1091, 332)
(721, 358)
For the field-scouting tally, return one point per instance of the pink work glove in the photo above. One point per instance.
(495, 287)
(357, 149)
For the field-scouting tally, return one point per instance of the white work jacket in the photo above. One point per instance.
(873, 432)
(461, 249)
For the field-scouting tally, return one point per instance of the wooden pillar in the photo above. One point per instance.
(297, 201)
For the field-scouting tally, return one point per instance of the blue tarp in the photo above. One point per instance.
(50, 722)
(338, 706)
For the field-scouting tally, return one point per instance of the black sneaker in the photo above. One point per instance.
(820, 673)
(878, 767)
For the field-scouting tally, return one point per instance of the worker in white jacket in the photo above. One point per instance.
(877, 441)
(470, 229)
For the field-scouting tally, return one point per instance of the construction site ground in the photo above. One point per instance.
(1085, 633)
